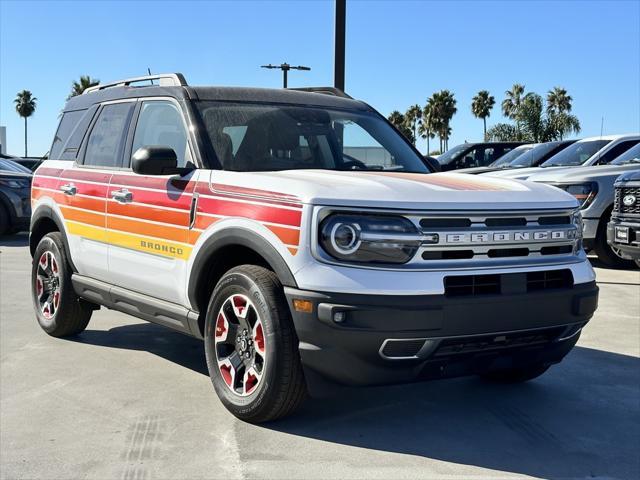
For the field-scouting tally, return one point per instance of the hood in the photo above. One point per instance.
(410, 191)
(580, 174)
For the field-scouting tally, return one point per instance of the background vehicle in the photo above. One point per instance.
(15, 196)
(623, 231)
(468, 155)
(502, 162)
(585, 152)
(593, 187)
(260, 221)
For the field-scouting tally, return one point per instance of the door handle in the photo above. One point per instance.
(122, 196)
(69, 189)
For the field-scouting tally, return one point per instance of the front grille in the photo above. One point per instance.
(496, 284)
(482, 343)
(620, 193)
(451, 239)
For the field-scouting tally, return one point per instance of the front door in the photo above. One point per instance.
(148, 217)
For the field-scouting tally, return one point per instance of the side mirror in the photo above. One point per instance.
(156, 160)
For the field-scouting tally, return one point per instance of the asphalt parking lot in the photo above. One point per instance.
(131, 400)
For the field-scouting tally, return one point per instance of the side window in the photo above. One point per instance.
(107, 138)
(67, 124)
(616, 151)
(160, 123)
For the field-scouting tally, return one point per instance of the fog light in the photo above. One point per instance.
(304, 306)
(339, 317)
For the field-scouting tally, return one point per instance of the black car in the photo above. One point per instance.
(531, 157)
(15, 196)
(623, 231)
(468, 155)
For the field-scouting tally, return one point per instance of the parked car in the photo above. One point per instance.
(623, 231)
(585, 152)
(236, 215)
(593, 188)
(502, 162)
(468, 155)
(15, 196)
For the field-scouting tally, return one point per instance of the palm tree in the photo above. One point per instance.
(399, 121)
(413, 117)
(427, 125)
(481, 106)
(25, 106)
(511, 104)
(558, 101)
(448, 110)
(77, 88)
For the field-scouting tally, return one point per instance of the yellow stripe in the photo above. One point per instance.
(134, 242)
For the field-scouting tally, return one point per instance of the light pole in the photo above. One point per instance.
(339, 55)
(285, 67)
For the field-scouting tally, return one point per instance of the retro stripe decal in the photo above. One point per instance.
(157, 220)
(454, 181)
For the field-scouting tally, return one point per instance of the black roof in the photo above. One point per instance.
(229, 94)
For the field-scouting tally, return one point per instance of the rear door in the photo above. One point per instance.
(148, 217)
(83, 188)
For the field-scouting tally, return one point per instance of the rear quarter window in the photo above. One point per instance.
(71, 130)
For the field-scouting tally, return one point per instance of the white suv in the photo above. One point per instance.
(303, 238)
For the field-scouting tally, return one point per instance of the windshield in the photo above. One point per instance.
(509, 157)
(11, 166)
(452, 154)
(630, 156)
(248, 137)
(575, 154)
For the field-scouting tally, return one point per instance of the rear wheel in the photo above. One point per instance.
(60, 312)
(251, 346)
(516, 375)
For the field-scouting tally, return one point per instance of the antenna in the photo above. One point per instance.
(602, 126)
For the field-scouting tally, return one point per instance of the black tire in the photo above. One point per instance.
(4, 220)
(281, 386)
(604, 251)
(71, 315)
(517, 375)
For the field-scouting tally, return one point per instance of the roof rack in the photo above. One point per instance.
(164, 79)
(336, 92)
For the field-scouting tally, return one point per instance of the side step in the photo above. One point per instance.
(138, 305)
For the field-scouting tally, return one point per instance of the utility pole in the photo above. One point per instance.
(285, 67)
(339, 56)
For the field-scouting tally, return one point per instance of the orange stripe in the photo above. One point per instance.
(193, 236)
(292, 250)
(142, 228)
(203, 222)
(149, 212)
(288, 236)
(92, 218)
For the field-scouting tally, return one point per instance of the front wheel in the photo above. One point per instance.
(60, 312)
(251, 346)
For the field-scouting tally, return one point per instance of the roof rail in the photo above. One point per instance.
(336, 92)
(164, 79)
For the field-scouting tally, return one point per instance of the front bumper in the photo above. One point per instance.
(440, 336)
(631, 249)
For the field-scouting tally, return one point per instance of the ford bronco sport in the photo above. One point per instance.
(303, 238)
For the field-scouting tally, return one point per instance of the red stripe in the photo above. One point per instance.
(255, 192)
(52, 172)
(159, 199)
(229, 191)
(261, 213)
(45, 182)
(86, 175)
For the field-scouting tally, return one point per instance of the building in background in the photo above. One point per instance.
(3, 139)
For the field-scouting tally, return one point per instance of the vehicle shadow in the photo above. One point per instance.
(581, 419)
(16, 240)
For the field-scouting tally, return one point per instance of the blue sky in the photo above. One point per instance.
(398, 53)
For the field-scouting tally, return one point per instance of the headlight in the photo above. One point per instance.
(14, 183)
(364, 238)
(576, 219)
(585, 193)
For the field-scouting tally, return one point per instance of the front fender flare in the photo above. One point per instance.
(236, 236)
